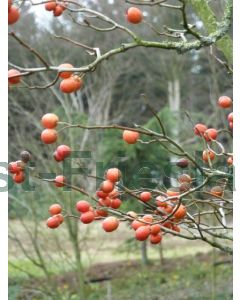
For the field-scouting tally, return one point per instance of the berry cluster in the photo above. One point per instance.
(56, 218)
(57, 7)
(70, 83)
(211, 134)
(17, 167)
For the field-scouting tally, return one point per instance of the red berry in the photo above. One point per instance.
(101, 194)
(65, 74)
(104, 202)
(63, 151)
(130, 137)
(155, 239)
(13, 15)
(136, 224)
(225, 102)
(50, 5)
(148, 218)
(176, 228)
(57, 157)
(71, 84)
(210, 134)
(184, 178)
(230, 117)
(49, 136)
(60, 218)
(59, 181)
(15, 167)
(55, 209)
(87, 217)
(58, 10)
(107, 186)
(155, 229)
(116, 203)
(82, 206)
(14, 80)
(110, 224)
(145, 196)
(113, 174)
(53, 222)
(49, 121)
(231, 125)
(199, 129)
(142, 233)
(101, 213)
(134, 15)
(19, 177)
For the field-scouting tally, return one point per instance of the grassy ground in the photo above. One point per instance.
(187, 271)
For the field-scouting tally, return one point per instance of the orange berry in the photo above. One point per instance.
(168, 209)
(59, 181)
(155, 229)
(173, 192)
(210, 134)
(65, 74)
(82, 206)
(181, 212)
(13, 15)
(49, 121)
(145, 196)
(71, 84)
(49, 136)
(14, 80)
(142, 233)
(107, 186)
(155, 239)
(110, 224)
(53, 222)
(50, 5)
(160, 201)
(225, 102)
(87, 217)
(134, 15)
(207, 154)
(113, 174)
(55, 209)
(130, 137)
(19, 177)
(199, 129)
